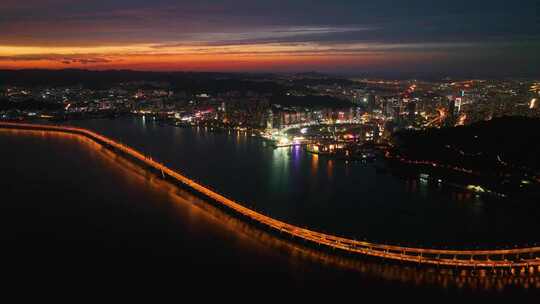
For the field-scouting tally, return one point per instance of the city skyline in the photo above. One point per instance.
(419, 38)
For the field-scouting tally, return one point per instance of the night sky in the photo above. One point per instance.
(436, 38)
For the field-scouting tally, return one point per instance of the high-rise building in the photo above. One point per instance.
(397, 110)
(458, 103)
(270, 119)
(370, 100)
(357, 96)
(451, 111)
(411, 109)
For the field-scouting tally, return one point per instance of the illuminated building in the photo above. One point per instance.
(411, 108)
(370, 100)
(270, 119)
(397, 110)
(534, 104)
(451, 110)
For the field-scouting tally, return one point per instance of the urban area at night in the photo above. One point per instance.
(361, 148)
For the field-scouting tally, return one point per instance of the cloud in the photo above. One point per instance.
(85, 60)
(267, 35)
(90, 22)
(82, 59)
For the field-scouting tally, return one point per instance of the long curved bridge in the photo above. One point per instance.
(528, 259)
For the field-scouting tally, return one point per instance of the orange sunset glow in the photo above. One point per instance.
(227, 58)
(262, 36)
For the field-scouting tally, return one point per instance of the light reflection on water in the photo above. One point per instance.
(199, 211)
(355, 199)
(314, 164)
(330, 169)
(279, 174)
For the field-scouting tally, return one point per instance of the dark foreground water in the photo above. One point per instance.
(74, 216)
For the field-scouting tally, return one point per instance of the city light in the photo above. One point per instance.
(388, 137)
(284, 141)
(476, 188)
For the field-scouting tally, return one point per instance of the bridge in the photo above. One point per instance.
(527, 259)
